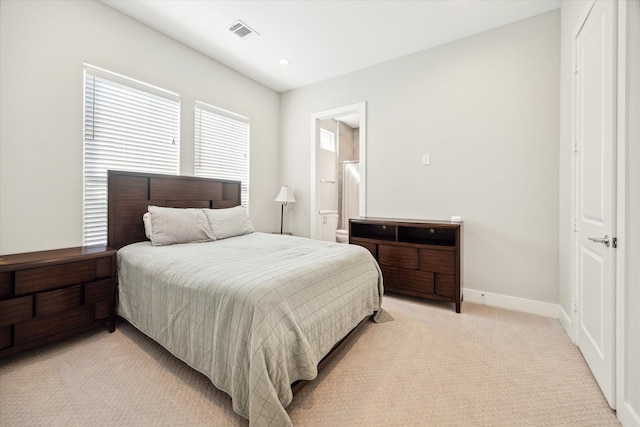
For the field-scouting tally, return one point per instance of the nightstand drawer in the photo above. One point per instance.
(416, 281)
(16, 310)
(57, 301)
(398, 256)
(45, 278)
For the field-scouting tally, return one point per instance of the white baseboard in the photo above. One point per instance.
(567, 323)
(628, 416)
(512, 303)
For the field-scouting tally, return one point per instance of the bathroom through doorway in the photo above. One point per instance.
(338, 171)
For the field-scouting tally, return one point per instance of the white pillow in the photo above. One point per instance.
(229, 222)
(177, 225)
(146, 219)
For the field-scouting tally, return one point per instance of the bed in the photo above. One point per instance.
(257, 313)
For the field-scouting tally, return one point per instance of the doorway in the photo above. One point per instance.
(327, 176)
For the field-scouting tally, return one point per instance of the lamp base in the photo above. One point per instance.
(281, 216)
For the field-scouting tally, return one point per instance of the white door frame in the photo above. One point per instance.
(361, 109)
(625, 411)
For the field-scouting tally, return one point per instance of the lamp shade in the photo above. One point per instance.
(285, 195)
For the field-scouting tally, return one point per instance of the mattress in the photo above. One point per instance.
(254, 313)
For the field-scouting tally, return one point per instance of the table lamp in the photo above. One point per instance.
(284, 196)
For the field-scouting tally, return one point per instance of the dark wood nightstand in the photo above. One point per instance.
(49, 295)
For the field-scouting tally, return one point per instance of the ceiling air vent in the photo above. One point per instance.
(242, 30)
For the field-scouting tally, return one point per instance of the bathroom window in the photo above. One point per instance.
(327, 140)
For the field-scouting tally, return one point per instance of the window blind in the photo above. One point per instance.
(222, 146)
(128, 125)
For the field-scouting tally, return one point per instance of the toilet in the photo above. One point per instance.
(342, 236)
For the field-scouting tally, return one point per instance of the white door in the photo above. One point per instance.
(595, 193)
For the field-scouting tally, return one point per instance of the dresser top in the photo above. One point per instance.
(405, 221)
(54, 256)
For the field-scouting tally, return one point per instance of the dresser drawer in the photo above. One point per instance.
(16, 310)
(437, 261)
(398, 256)
(99, 291)
(103, 268)
(46, 278)
(415, 281)
(6, 285)
(372, 247)
(5, 336)
(39, 328)
(57, 301)
(102, 310)
(445, 285)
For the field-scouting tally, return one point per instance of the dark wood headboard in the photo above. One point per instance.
(131, 192)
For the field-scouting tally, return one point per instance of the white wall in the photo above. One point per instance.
(43, 45)
(486, 109)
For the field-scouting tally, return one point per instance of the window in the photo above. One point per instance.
(222, 146)
(327, 140)
(128, 125)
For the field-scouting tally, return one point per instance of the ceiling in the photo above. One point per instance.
(322, 39)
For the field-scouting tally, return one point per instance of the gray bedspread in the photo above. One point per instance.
(253, 313)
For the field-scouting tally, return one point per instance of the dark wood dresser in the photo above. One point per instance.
(49, 295)
(417, 258)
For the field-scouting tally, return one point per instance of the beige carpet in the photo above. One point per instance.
(429, 367)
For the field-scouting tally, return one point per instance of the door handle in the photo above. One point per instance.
(604, 240)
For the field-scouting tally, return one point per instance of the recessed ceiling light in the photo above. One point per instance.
(284, 61)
